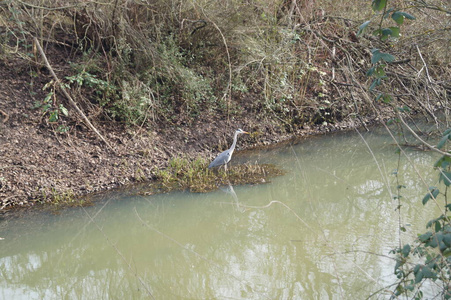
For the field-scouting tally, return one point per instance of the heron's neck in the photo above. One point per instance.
(235, 137)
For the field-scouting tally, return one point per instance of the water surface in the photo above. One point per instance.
(322, 231)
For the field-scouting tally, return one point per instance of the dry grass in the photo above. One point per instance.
(157, 59)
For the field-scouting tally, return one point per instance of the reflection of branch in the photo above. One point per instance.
(410, 161)
(283, 204)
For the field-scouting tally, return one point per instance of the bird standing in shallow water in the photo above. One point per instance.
(226, 156)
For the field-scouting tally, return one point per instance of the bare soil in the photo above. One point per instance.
(37, 162)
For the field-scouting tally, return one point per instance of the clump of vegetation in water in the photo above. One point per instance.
(61, 199)
(194, 175)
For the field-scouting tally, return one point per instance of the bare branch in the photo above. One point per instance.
(63, 89)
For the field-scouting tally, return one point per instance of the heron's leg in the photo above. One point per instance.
(225, 167)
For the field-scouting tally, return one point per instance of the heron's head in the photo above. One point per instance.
(239, 130)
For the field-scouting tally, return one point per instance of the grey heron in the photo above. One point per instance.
(226, 156)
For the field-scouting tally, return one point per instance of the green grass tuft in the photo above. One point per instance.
(194, 175)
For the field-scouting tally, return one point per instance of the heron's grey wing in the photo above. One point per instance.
(221, 159)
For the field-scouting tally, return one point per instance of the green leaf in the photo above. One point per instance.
(433, 243)
(379, 72)
(394, 31)
(427, 273)
(433, 192)
(370, 71)
(46, 107)
(385, 34)
(362, 28)
(375, 83)
(418, 276)
(405, 108)
(429, 224)
(443, 162)
(47, 85)
(425, 237)
(387, 98)
(64, 110)
(445, 177)
(377, 56)
(378, 5)
(443, 141)
(406, 250)
(48, 97)
(406, 15)
(37, 104)
(53, 116)
(377, 99)
(438, 226)
(416, 269)
(398, 17)
(377, 32)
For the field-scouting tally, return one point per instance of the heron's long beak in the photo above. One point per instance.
(245, 132)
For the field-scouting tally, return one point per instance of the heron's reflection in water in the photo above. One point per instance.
(228, 189)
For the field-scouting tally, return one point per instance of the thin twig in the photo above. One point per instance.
(424, 63)
(421, 140)
(6, 116)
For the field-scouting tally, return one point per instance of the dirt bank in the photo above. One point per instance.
(38, 162)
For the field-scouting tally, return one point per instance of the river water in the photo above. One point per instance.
(322, 231)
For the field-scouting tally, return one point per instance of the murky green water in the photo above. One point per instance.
(322, 231)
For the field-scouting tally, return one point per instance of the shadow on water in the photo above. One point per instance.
(323, 230)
